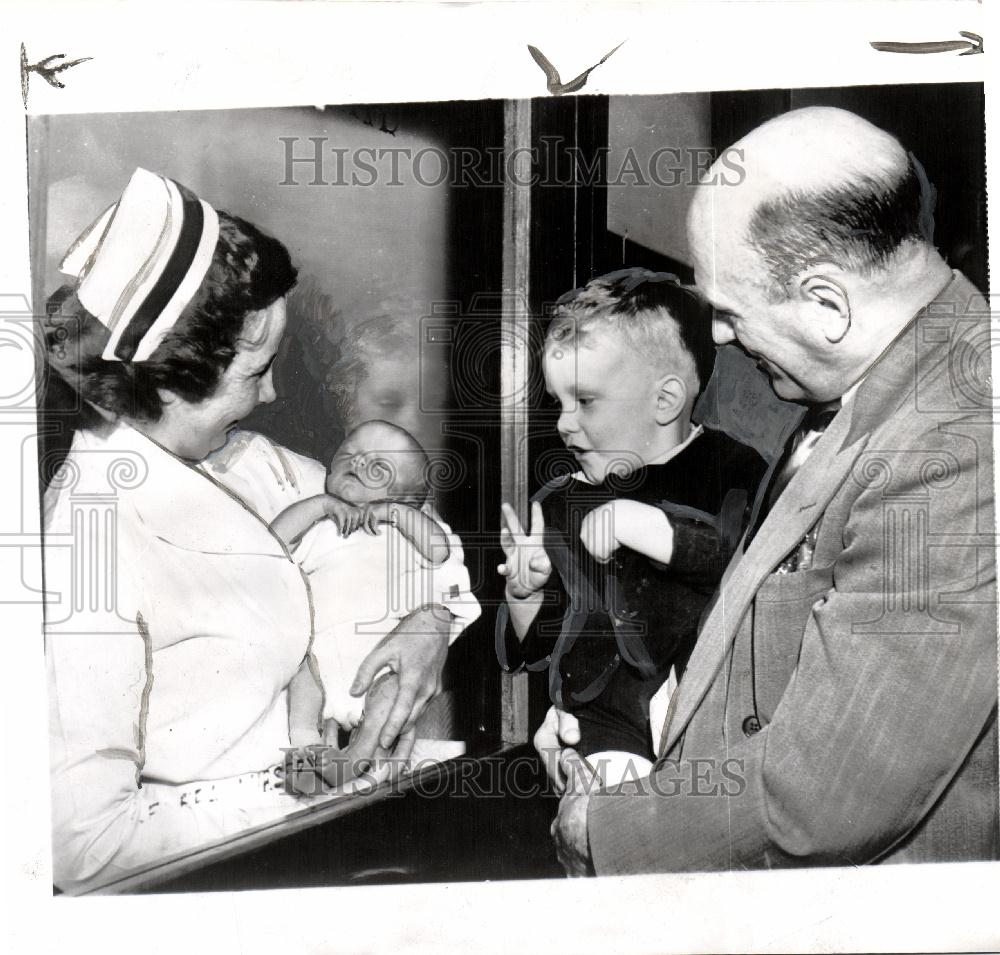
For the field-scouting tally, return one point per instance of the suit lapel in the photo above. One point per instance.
(797, 509)
(890, 380)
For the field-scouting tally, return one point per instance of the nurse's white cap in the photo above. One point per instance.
(142, 262)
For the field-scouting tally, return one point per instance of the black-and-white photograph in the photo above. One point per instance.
(480, 481)
(477, 490)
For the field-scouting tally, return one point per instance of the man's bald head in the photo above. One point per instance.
(822, 253)
(820, 185)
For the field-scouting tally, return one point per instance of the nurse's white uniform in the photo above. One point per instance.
(174, 622)
(362, 585)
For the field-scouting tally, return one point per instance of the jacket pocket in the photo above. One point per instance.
(781, 612)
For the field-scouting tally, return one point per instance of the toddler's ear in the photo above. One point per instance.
(671, 399)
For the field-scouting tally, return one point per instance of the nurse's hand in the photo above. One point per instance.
(415, 651)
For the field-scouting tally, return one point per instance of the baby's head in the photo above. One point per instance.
(379, 461)
(625, 358)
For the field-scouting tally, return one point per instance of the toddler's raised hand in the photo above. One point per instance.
(528, 567)
(346, 516)
(597, 532)
(625, 523)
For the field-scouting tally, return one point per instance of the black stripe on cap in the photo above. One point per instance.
(192, 226)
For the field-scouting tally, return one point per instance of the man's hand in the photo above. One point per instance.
(415, 651)
(348, 517)
(558, 732)
(569, 828)
(527, 567)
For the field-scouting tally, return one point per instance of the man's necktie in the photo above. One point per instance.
(800, 445)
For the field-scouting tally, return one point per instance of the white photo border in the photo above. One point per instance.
(224, 55)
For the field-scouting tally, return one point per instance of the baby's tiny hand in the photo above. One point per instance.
(372, 515)
(597, 531)
(348, 517)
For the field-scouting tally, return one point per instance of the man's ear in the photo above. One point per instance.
(832, 304)
(671, 397)
(166, 397)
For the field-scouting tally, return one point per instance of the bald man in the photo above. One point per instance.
(840, 706)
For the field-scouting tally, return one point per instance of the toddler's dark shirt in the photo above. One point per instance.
(609, 633)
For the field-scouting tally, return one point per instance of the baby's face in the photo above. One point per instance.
(372, 464)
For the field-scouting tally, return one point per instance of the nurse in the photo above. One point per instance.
(174, 618)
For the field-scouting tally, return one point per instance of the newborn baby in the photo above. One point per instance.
(364, 581)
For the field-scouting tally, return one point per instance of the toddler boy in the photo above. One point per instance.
(607, 587)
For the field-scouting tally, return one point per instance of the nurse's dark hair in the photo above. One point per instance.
(250, 271)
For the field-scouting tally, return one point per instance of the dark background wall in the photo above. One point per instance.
(943, 125)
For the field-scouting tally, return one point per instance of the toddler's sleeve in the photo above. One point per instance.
(700, 554)
(531, 653)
